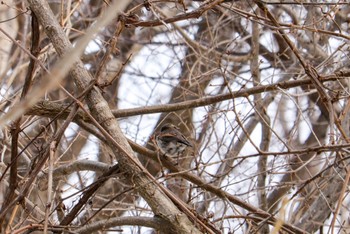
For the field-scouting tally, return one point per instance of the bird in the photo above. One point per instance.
(170, 141)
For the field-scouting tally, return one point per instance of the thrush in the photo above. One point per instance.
(171, 141)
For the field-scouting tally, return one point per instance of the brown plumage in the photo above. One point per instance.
(170, 140)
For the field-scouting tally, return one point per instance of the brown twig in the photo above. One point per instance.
(310, 71)
(48, 109)
(15, 126)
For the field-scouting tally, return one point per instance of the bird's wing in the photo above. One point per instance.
(179, 137)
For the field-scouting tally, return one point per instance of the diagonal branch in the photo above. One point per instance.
(137, 176)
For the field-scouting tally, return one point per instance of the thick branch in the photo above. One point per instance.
(161, 205)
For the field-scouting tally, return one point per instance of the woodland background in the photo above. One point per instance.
(260, 88)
